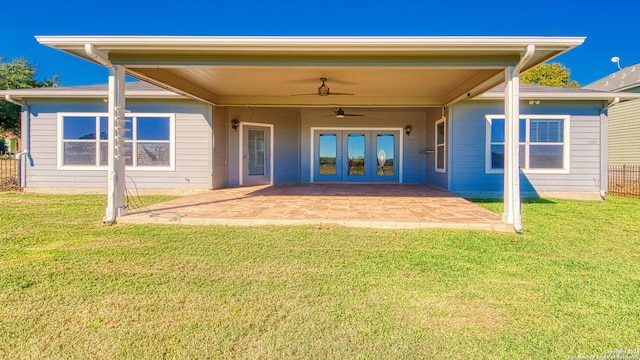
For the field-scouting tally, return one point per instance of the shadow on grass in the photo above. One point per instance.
(524, 201)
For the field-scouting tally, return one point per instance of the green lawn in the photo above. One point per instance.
(73, 288)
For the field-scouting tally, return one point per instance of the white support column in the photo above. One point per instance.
(511, 213)
(116, 162)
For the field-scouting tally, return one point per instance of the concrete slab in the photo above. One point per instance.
(359, 205)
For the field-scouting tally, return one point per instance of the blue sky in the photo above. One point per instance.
(610, 26)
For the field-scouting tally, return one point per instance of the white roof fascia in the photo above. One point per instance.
(83, 94)
(293, 43)
(562, 96)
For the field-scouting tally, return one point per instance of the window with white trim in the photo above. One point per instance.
(440, 146)
(83, 140)
(543, 143)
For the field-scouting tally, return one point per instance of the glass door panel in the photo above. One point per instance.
(356, 161)
(385, 152)
(387, 149)
(256, 143)
(328, 156)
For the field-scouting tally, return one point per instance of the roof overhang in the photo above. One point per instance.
(533, 92)
(86, 92)
(267, 71)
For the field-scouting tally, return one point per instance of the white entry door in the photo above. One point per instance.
(256, 155)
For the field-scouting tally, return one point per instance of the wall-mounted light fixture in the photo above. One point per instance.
(407, 130)
(234, 124)
(534, 102)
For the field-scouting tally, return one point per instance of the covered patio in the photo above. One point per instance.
(231, 73)
(377, 206)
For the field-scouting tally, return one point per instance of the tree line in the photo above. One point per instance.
(18, 73)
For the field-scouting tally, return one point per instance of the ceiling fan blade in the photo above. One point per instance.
(323, 90)
(340, 114)
(316, 94)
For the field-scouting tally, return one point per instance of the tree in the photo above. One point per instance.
(553, 74)
(19, 73)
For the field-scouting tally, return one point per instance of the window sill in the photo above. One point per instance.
(536, 171)
(104, 168)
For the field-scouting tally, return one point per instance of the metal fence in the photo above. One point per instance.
(9, 173)
(624, 180)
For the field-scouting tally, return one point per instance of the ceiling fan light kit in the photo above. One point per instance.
(323, 90)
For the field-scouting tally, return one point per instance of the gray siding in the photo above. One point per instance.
(624, 133)
(220, 153)
(467, 133)
(193, 137)
(286, 128)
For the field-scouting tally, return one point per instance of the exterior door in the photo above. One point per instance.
(256, 155)
(356, 155)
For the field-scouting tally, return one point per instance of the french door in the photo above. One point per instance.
(357, 155)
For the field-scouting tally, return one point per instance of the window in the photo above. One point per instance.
(441, 136)
(84, 140)
(543, 143)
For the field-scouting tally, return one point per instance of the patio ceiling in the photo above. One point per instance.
(268, 71)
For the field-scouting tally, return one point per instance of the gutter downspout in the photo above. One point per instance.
(604, 145)
(514, 109)
(24, 134)
(99, 56)
(116, 108)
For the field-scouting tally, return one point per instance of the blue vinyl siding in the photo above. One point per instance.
(434, 178)
(193, 138)
(286, 137)
(468, 136)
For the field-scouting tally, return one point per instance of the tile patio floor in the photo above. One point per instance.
(370, 205)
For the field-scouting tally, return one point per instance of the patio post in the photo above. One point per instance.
(116, 148)
(511, 214)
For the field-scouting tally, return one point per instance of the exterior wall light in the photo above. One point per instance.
(407, 130)
(234, 124)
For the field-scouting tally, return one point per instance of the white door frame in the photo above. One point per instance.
(400, 145)
(241, 148)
